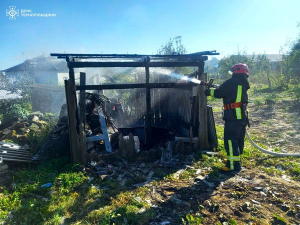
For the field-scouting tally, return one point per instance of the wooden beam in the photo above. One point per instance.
(82, 98)
(203, 131)
(71, 70)
(148, 108)
(116, 56)
(82, 108)
(131, 86)
(73, 135)
(133, 64)
(200, 70)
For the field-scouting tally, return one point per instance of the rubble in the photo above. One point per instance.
(18, 131)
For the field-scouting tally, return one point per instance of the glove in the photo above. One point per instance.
(207, 92)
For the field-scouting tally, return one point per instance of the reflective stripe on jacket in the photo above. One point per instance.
(232, 90)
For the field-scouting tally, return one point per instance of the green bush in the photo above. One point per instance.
(18, 110)
(296, 92)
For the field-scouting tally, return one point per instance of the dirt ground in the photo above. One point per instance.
(278, 124)
(249, 197)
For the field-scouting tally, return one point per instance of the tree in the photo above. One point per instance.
(259, 66)
(173, 47)
(227, 62)
(290, 66)
(263, 66)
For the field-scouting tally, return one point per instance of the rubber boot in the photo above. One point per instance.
(237, 166)
(226, 168)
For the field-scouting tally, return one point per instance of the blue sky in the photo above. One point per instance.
(142, 26)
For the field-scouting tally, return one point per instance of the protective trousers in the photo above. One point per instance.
(234, 137)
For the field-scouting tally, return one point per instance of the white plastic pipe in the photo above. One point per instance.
(270, 152)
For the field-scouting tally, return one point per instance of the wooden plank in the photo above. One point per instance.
(148, 108)
(132, 86)
(203, 131)
(158, 92)
(95, 138)
(192, 120)
(196, 55)
(82, 98)
(156, 107)
(164, 95)
(71, 70)
(71, 107)
(133, 64)
(82, 106)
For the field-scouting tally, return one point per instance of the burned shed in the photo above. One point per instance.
(158, 104)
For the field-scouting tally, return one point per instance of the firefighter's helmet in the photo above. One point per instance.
(240, 68)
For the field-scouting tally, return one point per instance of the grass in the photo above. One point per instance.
(73, 199)
(190, 219)
(259, 221)
(280, 218)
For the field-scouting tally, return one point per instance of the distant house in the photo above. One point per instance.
(42, 74)
(39, 70)
(275, 60)
(45, 76)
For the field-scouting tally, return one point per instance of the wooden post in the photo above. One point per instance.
(71, 70)
(203, 131)
(82, 107)
(194, 111)
(148, 108)
(73, 136)
(82, 98)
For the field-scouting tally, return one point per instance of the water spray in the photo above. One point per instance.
(194, 80)
(210, 84)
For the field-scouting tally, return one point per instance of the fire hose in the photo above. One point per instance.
(270, 152)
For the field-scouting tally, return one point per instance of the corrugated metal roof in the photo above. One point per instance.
(40, 63)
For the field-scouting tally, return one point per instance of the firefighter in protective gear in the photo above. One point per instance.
(235, 99)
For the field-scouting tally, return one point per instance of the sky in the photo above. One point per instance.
(142, 26)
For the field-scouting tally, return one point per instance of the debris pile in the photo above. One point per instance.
(19, 131)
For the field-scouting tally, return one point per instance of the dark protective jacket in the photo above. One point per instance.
(234, 90)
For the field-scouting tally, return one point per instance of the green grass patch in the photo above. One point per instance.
(280, 218)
